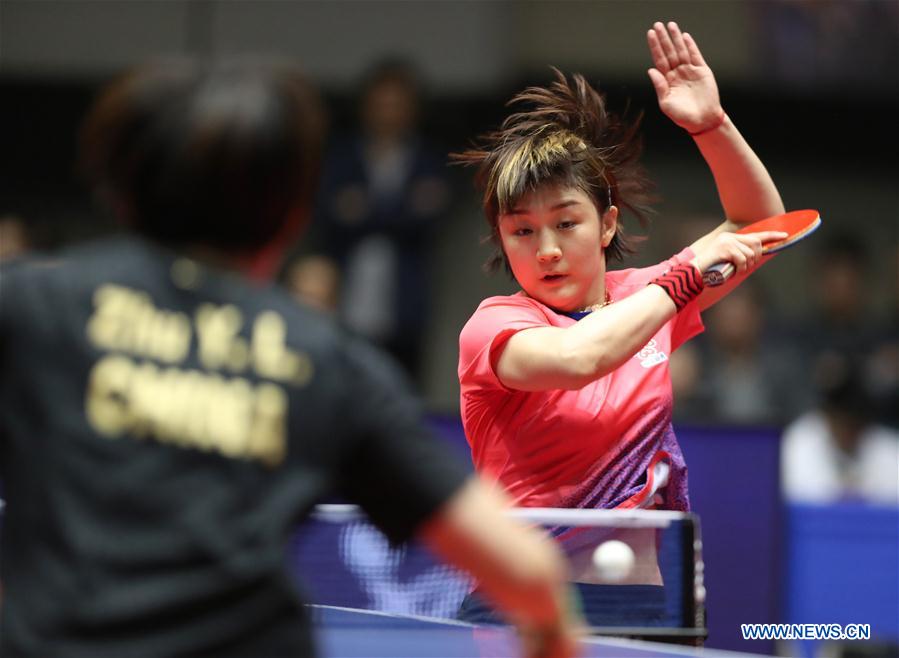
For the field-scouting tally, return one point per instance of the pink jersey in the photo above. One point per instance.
(591, 448)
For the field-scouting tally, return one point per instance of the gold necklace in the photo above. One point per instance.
(596, 307)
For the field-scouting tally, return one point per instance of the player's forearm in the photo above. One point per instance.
(520, 570)
(552, 358)
(745, 188)
(607, 338)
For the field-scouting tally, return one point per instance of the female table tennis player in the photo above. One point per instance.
(565, 390)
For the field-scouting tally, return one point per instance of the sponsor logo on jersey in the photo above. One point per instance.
(651, 355)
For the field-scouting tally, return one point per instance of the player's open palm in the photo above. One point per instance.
(684, 83)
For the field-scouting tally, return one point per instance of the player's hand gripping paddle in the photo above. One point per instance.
(798, 224)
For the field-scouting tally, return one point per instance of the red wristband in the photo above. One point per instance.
(718, 123)
(683, 283)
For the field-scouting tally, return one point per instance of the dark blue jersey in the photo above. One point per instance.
(164, 426)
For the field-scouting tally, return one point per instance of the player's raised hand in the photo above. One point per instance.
(684, 83)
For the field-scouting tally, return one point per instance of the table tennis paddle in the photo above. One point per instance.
(798, 224)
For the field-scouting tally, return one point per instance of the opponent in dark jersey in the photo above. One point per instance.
(165, 421)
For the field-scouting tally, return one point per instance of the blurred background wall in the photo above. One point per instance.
(813, 85)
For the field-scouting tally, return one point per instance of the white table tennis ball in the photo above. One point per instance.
(613, 560)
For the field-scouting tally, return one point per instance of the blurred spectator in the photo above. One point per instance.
(743, 373)
(13, 237)
(314, 280)
(383, 192)
(842, 324)
(882, 366)
(837, 452)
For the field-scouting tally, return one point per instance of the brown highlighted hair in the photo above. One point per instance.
(214, 153)
(562, 134)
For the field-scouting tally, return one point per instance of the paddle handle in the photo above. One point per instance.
(718, 274)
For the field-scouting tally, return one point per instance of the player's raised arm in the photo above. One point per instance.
(688, 95)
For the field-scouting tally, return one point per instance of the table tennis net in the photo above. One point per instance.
(340, 559)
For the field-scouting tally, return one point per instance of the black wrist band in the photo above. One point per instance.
(683, 283)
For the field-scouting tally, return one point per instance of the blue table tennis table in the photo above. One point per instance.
(352, 633)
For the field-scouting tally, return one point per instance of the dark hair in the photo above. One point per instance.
(565, 135)
(220, 154)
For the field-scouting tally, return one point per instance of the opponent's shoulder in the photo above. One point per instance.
(15, 271)
(39, 274)
(81, 262)
(45, 295)
(302, 325)
(372, 366)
